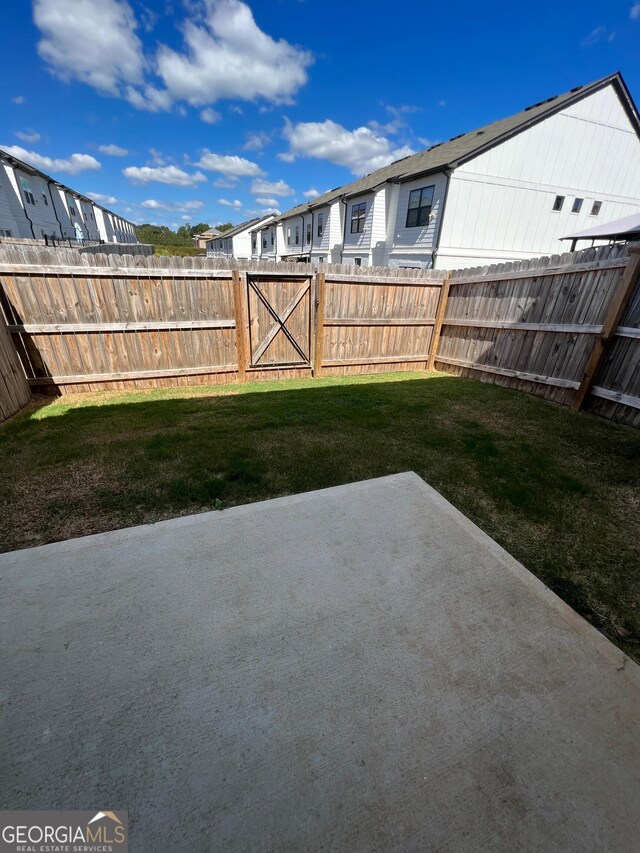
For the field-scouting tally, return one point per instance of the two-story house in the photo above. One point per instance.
(508, 191)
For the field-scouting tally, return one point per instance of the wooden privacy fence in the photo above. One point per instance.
(91, 327)
(566, 327)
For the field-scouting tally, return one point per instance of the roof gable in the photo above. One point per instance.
(465, 146)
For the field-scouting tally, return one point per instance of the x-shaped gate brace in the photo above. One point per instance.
(279, 321)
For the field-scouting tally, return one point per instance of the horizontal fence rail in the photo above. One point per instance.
(564, 327)
(535, 326)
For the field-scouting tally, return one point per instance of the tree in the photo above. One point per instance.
(200, 228)
(226, 226)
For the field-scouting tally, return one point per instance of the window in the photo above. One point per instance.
(357, 262)
(297, 240)
(577, 205)
(4, 232)
(358, 215)
(419, 211)
(72, 210)
(272, 238)
(288, 236)
(308, 234)
(557, 204)
(595, 210)
(264, 242)
(44, 199)
(320, 259)
(253, 243)
(320, 224)
(26, 189)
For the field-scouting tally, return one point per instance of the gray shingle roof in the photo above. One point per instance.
(236, 230)
(446, 155)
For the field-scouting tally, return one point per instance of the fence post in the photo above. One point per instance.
(242, 342)
(619, 301)
(319, 324)
(437, 328)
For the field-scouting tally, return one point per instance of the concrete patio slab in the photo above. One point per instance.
(356, 669)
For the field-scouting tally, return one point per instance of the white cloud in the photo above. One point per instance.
(265, 211)
(27, 136)
(312, 192)
(210, 116)
(236, 205)
(178, 206)
(598, 35)
(228, 56)
(398, 121)
(113, 150)
(442, 103)
(93, 41)
(228, 164)
(224, 55)
(634, 12)
(19, 99)
(103, 199)
(257, 141)
(156, 158)
(226, 183)
(162, 174)
(259, 187)
(360, 150)
(71, 165)
(267, 202)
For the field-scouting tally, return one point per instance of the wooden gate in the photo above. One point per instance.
(279, 321)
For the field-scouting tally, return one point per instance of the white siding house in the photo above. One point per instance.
(507, 191)
(34, 206)
(237, 242)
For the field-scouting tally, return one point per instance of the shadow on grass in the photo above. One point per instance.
(559, 490)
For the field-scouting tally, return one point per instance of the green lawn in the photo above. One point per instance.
(559, 490)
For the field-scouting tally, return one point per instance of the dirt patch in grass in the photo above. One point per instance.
(559, 490)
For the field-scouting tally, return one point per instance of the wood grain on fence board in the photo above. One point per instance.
(91, 321)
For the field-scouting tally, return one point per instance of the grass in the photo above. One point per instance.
(559, 490)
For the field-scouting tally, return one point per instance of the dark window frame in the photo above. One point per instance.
(297, 236)
(358, 217)
(577, 205)
(421, 212)
(307, 235)
(320, 224)
(596, 207)
(558, 203)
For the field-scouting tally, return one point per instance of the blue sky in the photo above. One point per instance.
(216, 110)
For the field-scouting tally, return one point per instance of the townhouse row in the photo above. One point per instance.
(35, 206)
(512, 190)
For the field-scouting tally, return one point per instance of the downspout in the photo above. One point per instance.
(434, 253)
(312, 232)
(55, 212)
(344, 230)
(302, 235)
(24, 204)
